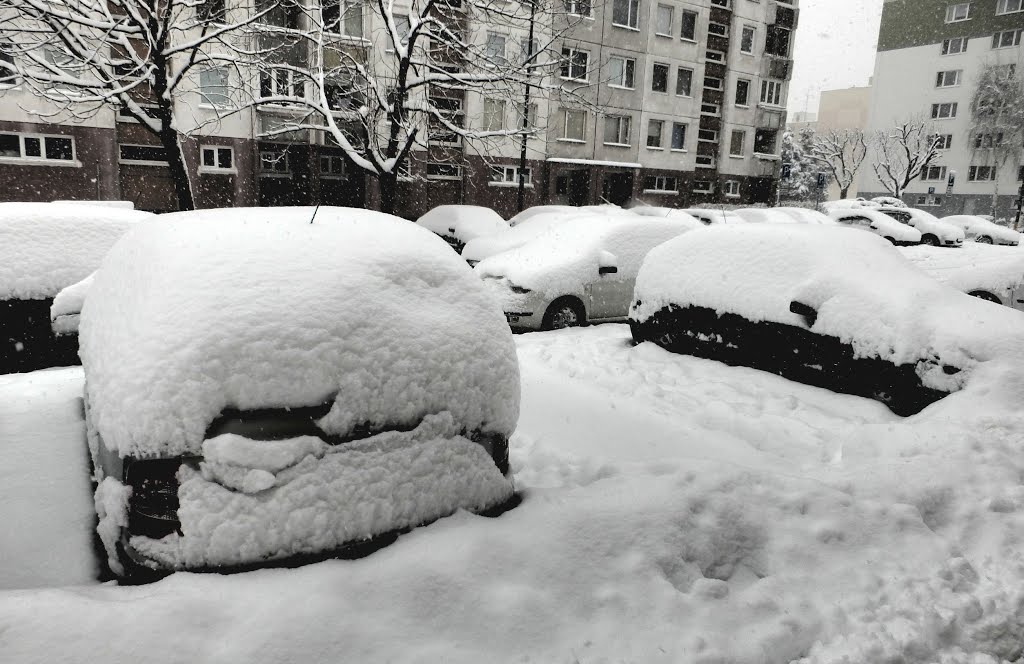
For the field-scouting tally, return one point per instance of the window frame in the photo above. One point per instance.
(682, 25)
(565, 126)
(746, 95)
(216, 168)
(1015, 38)
(628, 71)
(507, 170)
(434, 176)
(1003, 7)
(632, 13)
(936, 113)
(743, 143)
(140, 162)
(627, 120)
(204, 99)
(330, 173)
(42, 159)
(661, 185)
(726, 189)
(951, 12)
(572, 5)
(672, 138)
(689, 86)
(933, 169)
(668, 72)
(489, 115)
(671, 20)
(947, 43)
(276, 158)
(772, 89)
(651, 122)
(942, 76)
(709, 190)
(565, 68)
(753, 38)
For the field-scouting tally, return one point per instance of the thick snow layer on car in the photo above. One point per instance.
(880, 224)
(67, 305)
(865, 293)
(47, 246)
(122, 205)
(671, 213)
(849, 203)
(256, 308)
(976, 267)
(567, 256)
(976, 227)
(252, 501)
(781, 215)
(463, 222)
(807, 216)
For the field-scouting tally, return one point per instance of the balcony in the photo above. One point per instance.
(779, 68)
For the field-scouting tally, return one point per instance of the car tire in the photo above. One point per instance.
(983, 239)
(930, 239)
(985, 295)
(564, 312)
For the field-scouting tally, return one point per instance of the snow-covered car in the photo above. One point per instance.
(66, 310)
(983, 230)
(262, 388)
(890, 201)
(825, 306)
(991, 273)
(783, 215)
(665, 212)
(710, 216)
(933, 231)
(45, 247)
(578, 272)
(458, 224)
(875, 222)
(848, 203)
(543, 210)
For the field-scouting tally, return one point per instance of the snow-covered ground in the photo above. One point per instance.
(675, 510)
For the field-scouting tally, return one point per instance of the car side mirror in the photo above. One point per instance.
(809, 313)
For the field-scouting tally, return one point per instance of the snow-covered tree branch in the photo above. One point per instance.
(903, 152)
(997, 121)
(802, 180)
(841, 152)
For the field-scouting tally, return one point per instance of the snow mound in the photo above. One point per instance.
(260, 308)
(463, 222)
(67, 306)
(47, 246)
(865, 292)
(251, 500)
(568, 255)
(671, 213)
(783, 215)
(974, 267)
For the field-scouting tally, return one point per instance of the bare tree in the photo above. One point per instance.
(841, 151)
(903, 153)
(381, 82)
(997, 121)
(141, 57)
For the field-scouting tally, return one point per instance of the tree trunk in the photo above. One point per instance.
(179, 169)
(388, 184)
(843, 191)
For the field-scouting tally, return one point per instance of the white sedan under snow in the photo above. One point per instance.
(983, 230)
(875, 222)
(260, 386)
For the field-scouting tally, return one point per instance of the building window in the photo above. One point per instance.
(678, 136)
(723, 3)
(703, 187)
(333, 165)
(343, 17)
(929, 200)
(954, 46)
(1009, 6)
(37, 147)
(149, 110)
(274, 162)
(283, 14)
(575, 124)
(684, 82)
(943, 141)
(742, 92)
(737, 142)
(280, 83)
(943, 111)
(579, 7)
(494, 50)
(958, 12)
(7, 76)
(718, 29)
(655, 128)
(747, 40)
(212, 10)
(688, 31)
(981, 173)
(216, 158)
(574, 64)
(777, 40)
(621, 72)
(705, 161)
(771, 92)
(988, 141)
(439, 171)
(714, 56)
(712, 83)
(616, 129)
(449, 108)
(509, 176)
(1006, 38)
(1020, 174)
(494, 115)
(663, 21)
(710, 108)
(948, 79)
(625, 13)
(659, 78)
(660, 184)
(213, 86)
(146, 155)
(732, 189)
(765, 141)
(707, 136)
(934, 173)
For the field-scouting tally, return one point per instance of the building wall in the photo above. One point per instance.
(906, 67)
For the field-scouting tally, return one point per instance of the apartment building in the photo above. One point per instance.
(930, 55)
(679, 102)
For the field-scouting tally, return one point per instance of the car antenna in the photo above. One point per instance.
(315, 210)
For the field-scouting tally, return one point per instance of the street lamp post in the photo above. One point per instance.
(521, 197)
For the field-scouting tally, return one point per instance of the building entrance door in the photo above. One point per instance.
(618, 188)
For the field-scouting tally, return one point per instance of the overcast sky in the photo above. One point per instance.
(835, 48)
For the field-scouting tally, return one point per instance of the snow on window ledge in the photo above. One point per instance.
(767, 157)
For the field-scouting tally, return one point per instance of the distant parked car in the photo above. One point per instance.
(43, 248)
(262, 390)
(458, 224)
(783, 215)
(578, 272)
(848, 203)
(825, 306)
(991, 273)
(933, 231)
(983, 230)
(710, 216)
(875, 222)
(890, 201)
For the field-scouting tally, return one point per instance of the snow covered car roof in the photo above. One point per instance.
(783, 215)
(258, 308)
(709, 216)
(665, 212)
(864, 292)
(47, 246)
(977, 267)
(976, 227)
(848, 204)
(885, 225)
(463, 222)
(567, 256)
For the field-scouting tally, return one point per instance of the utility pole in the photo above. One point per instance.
(521, 198)
(1020, 205)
